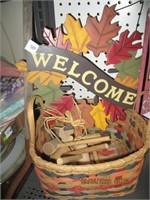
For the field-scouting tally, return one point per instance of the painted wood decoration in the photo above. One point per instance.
(66, 56)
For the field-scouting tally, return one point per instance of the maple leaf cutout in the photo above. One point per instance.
(65, 103)
(58, 41)
(48, 93)
(115, 112)
(101, 32)
(21, 65)
(128, 81)
(119, 50)
(85, 110)
(129, 67)
(99, 116)
(45, 77)
(77, 35)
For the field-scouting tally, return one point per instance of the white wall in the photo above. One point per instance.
(12, 19)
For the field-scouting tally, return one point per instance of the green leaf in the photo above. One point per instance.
(49, 93)
(129, 67)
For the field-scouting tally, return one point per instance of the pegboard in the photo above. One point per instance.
(131, 15)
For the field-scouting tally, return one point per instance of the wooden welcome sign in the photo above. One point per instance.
(77, 67)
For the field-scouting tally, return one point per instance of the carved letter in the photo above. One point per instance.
(130, 96)
(99, 82)
(71, 72)
(114, 94)
(41, 59)
(60, 60)
(86, 74)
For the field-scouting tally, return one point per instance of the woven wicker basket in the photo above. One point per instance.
(108, 179)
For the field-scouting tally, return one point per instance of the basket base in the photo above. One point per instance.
(90, 196)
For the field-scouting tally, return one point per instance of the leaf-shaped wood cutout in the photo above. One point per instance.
(58, 41)
(115, 112)
(129, 67)
(48, 93)
(101, 32)
(85, 110)
(99, 116)
(65, 103)
(119, 50)
(128, 81)
(45, 77)
(21, 65)
(77, 35)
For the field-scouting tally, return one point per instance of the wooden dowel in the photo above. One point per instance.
(68, 159)
(88, 149)
(86, 141)
(94, 135)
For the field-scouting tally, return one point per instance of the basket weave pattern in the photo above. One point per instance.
(109, 179)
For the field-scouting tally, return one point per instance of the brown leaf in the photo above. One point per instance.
(83, 110)
(101, 32)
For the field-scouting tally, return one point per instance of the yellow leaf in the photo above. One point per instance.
(99, 116)
(45, 77)
(21, 66)
(77, 35)
(128, 81)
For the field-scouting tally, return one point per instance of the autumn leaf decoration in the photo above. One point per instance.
(21, 65)
(99, 116)
(120, 50)
(129, 67)
(80, 111)
(128, 81)
(49, 93)
(58, 40)
(59, 107)
(64, 103)
(85, 110)
(77, 35)
(115, 112)
(101, 32)
(45, 77)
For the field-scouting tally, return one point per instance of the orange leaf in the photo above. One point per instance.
(77, 34)
(45, 77)
(85, 110)
(128, 81)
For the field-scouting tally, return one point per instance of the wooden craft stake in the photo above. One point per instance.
(88, 149)
(50, 147)
(68, 159)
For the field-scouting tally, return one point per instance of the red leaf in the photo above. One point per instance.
(65, 103)
(58, 41)
(60, 107)
(116, 112)
(119, 50)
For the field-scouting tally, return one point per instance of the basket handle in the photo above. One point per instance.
(30, 115)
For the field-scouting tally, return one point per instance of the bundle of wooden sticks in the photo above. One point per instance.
(68, 150)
